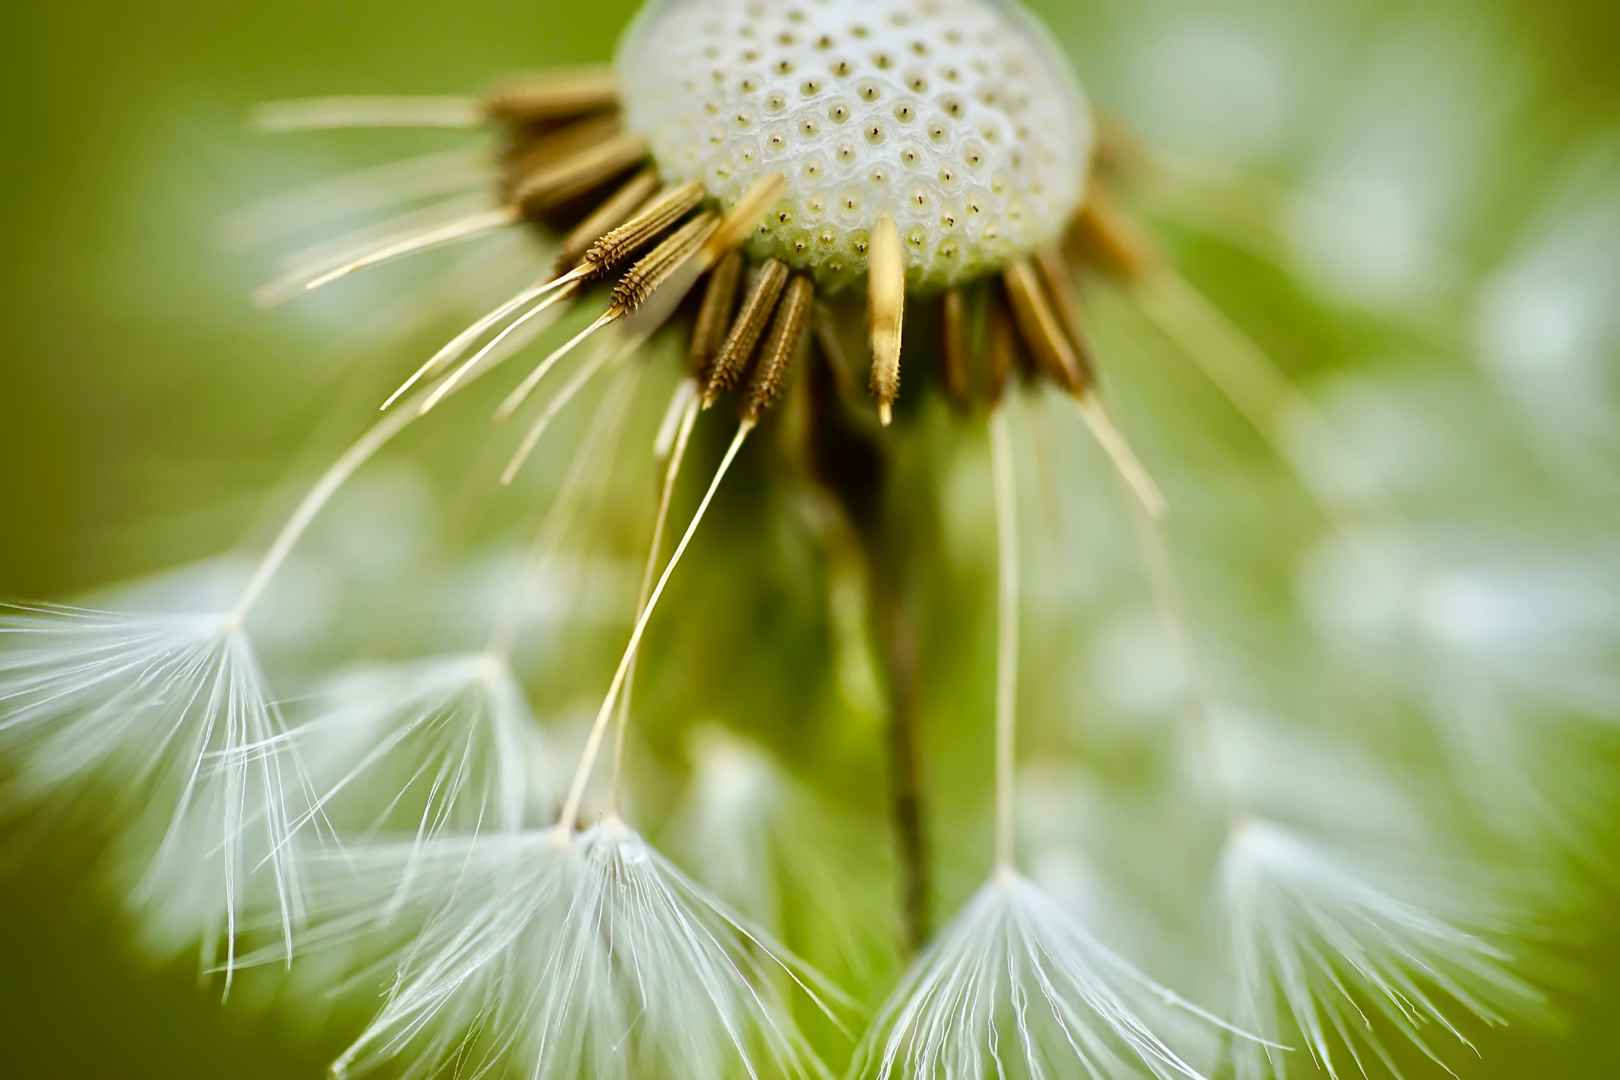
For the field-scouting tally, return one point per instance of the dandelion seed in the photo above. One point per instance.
(1012, 984)
(168, 712)
(555, 956)
(1333, 951)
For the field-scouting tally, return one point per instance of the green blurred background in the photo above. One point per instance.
(144, 404)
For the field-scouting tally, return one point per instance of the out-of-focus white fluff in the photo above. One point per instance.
(1316, 941)
(553, 957)
(445, 743)
(1012, 987)
(760, 840)
(169, 714)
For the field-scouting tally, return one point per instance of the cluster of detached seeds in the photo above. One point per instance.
(961, 124)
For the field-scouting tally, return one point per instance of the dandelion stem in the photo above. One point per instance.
(582, 774)
(677, 453)
(564, 509)
(1005, 481)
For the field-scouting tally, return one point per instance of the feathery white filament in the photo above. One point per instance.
(1337, 951)
(1011, 968)
(593, 452)
(465, 228)
(426, 747)
(326, 113)
(683, 435)
(1005, 481)
(593, 742)
(172, 710)
(556, 958)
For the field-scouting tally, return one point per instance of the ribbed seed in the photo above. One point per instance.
(782, 344)
(714, 315)
(1001, 348)
(573, 176)
(557, 96)
(647, 224)
(533, 157)
(1039, 326)
(758, 303)
(655, 268)
(954, 350)
(741, 220)
(1053, 269)
(1109, 239)
(886, 313)
(613, 212)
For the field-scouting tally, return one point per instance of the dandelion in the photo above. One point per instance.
(817, 203)
(1013, 983)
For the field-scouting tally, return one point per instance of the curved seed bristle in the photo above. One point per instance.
(556, 95)
(731, 361)
(334, 113)
(714, 315)
(1039, 326)
(954, 350)
(782, 345)
(886, 313)
(461, 229)
(656, 267)
(1120, 454)
(648, 223)
(613, 212)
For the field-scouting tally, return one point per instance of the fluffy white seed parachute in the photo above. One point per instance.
(1014, 988)
(1337, 952)
(442, 744)
(169, 715)
(555, 957)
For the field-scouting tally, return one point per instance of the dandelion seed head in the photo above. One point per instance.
(955, 118)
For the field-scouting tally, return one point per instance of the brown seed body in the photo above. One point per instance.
(782, 346)
(954, 350)
(1041, 330)
(613, 212)
(657, 266)
(647, 224)
(732, 359)
(714, 315)
(554, 96)
(573, 176)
